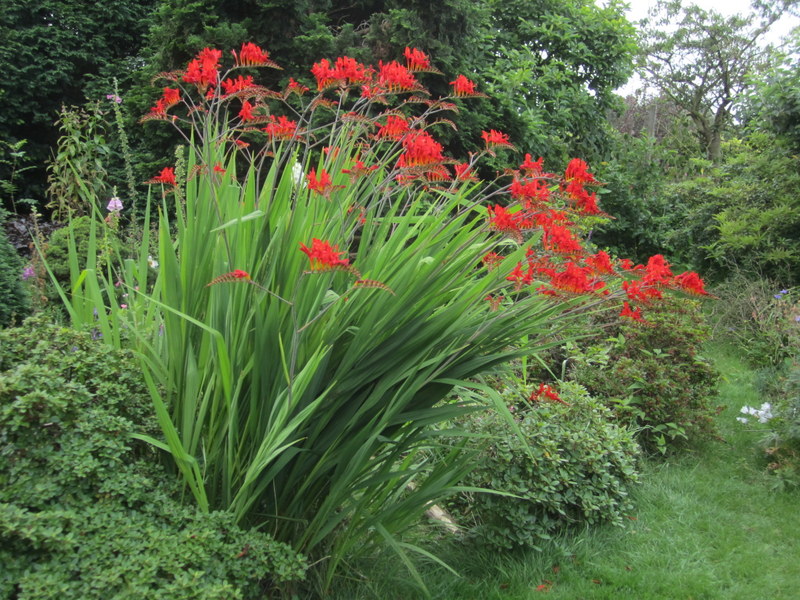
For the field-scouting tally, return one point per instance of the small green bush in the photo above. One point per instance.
(14, 301)
(653, 375)
(576, 469)
(85, 510)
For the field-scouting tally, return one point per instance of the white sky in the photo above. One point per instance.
(638, 10)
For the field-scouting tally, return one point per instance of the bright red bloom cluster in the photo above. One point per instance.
(167, 176)
(394, 77)
(281, 128)
(322, 185)
(494, 139)
(417, 60)
(463, 87)
(169, 98)
(235, 275)
(547, 393)
(323, 256)
(420, 149)
(396, 127)
(240, 84)
(252, 56)
(204, 69)
(346, 71)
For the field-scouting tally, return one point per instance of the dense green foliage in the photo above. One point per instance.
(60, 53)
(85, 510)
(565, 464)
(653, 376)
(14, 301)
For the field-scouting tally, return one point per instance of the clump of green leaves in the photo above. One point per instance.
(88, 505)
(564, 464)
(652, 375)
(14, 301)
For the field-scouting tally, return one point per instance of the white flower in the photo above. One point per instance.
(152, 262)
(742, 420)
(114, 205)
(297, 174)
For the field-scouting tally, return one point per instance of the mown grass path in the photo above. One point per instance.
(707, 526)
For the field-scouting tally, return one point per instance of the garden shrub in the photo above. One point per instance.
(652, 374)
(85, 510)
(14, 301)
(573, 465)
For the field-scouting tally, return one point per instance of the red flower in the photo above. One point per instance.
(576, 280)
(464, 172)
(520, 277)
(167, 176)
(416, 60)
(359, 170)
(502, 220)
(491, 260)
(396, 127)
(323, 256)
(323, 186)
(691, 282)
(559, 239)
(600, 263)
(463, 87)
(532, 193)
(577, 170)
(252, 56)
(636, 314)
(203, 70)
(231, 86)
(657, 271)
(545, 392)
(281, 128)
(350, 70)
(420, 149)
(494, 138)
(532, 168)
(636, 290)
(294, 87)
(246, 114)
(394, 77)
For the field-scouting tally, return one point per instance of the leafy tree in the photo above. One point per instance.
(59, 52)
(701, 60)
(550, 66)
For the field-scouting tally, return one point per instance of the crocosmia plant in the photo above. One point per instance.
(327, 275)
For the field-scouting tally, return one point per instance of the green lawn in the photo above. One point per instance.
(707, 525)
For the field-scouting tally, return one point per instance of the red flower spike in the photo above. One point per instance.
(235, 275)
(546, 393)
(559, 239)
(491, 260)
(295, 88)
(533, 194)
(578, 170)
(692, 283)
(520, 277)
(463, 87)
(322, 185)
(464, 172)
(203, 70)
(359, 170)
(252, 56)
(657, 271)
(240, 84)
(394, 78)
(324, 257)
(167, 177)
(246, 114)
(629, 313)
(416, 60)
(532, 168)
(396, 127)
(600, 263)
(494, 302)
(576, 280)
(495, 139)
(281, 128)
(420, 150)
